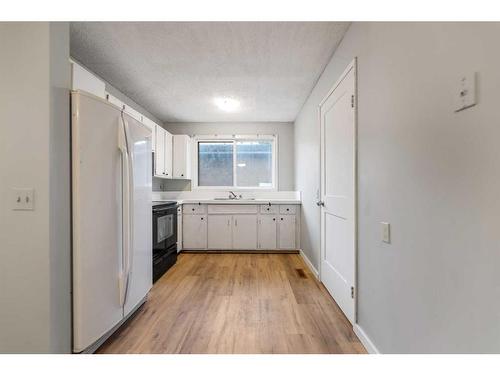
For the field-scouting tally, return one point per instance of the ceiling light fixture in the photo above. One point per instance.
(227, 104)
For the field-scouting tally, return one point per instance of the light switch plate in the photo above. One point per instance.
(465, 95)
(386, 232)
(23, 199)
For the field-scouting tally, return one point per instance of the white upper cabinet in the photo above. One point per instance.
(163, 153)
(182, 157)
(151, 125)
(82, 79)
(160, 152)
(168, 155)
(133, 113)
(114, 100)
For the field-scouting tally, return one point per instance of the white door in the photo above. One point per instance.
(267, 232)
(220, 232)
(139, 257)
(287, 232)
(338, 191)
(194, 232)
(244, 232)
(160, 152)
(96, 209)
(168, 155)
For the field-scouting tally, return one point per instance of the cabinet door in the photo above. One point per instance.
(220, 232)
(152, 126)
(168, 154)
(267, 232)
(82, 79)
(194, 232)
(245, 232)
(287, 232)
(179, 228)
(181, 156)
(160, 152)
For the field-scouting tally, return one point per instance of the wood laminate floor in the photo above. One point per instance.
(237, 303)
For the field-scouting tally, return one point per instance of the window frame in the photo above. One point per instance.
(234, 138)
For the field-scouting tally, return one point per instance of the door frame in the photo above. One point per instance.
(353, 65)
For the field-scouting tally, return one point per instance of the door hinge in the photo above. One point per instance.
(352, 101)
(352, 292)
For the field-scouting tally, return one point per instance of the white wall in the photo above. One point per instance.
(432, 173)
(35, 299)
(284, 130)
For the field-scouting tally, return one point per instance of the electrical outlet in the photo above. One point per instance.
(386, 232)
(23, 199)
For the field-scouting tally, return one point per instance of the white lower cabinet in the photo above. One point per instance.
(267, 232)
(220, 232)
(239, 227)
(286, 232)
(194, 234)
(245, 232)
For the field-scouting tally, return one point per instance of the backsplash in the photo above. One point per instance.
(163, 184)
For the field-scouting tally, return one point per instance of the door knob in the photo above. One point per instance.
(320, 204)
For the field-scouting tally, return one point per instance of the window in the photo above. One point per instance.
(246, 163)
(215, 164)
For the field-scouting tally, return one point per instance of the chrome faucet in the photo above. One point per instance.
(232, 195)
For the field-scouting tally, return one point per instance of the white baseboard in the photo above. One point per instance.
(365, 340)
(309, 264)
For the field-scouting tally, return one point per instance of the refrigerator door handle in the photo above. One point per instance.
(130, 164)
(123, 277)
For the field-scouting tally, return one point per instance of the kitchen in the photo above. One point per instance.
(216, 186)
(256, 187)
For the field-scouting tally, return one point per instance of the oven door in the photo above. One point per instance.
(164, 228)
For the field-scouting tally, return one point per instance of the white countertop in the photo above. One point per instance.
(235, 201)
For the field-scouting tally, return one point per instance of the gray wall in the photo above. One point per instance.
(284, 130)
(432, 173)
(35, 299)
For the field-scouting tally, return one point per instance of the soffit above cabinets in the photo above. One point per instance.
(176, 69)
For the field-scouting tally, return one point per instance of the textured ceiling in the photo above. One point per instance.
(175, 69)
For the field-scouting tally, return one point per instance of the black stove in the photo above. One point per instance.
(164, 237)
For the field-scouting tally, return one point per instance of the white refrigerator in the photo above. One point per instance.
(112, 222)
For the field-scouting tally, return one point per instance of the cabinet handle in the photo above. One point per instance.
(235, 222)
(201, 218)
(274, 219)
(281, 219)
(192, 209)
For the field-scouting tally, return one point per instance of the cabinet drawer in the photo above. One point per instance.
(232, 209)
(288, 209)
(194, 209)
(269, 209)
